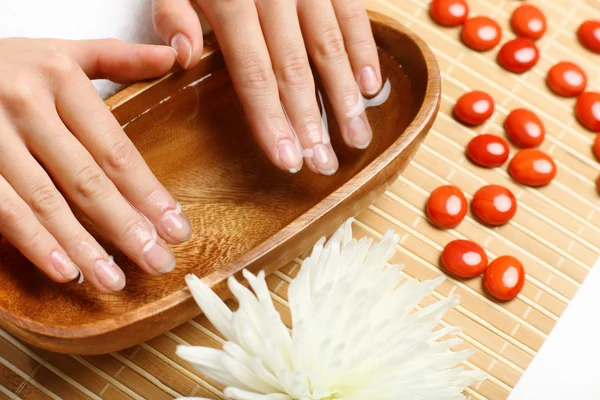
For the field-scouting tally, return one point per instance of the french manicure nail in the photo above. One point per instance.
(182, 46)
(63, 265)
(324, 159)
(289, 155)
(108, 275)
(360, 132)
(369, 81)
(176, 226)
(159, 258)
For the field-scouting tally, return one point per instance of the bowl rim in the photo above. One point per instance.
(423, 118)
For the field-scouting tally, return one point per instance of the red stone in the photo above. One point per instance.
(494, 205)
(528, 21)
(464, 259)
(566, 79)
(518, 55)
(524, 128)
(488, 150)
(449, 12)
(587, 110)
(504, 278)
(474, 108)
(481, 33)
(446, 206)
(596, 147)
(532, 167)
(589, 35)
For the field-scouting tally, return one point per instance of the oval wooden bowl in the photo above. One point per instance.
(245, 213)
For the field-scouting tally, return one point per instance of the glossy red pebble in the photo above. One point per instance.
(464, 259)
(532, 167)
(494, 205)
(524, 128)
(488, 150)
(589, 35)
(596, 147)
(518, 55)
(449, 12)
(446, 206)
(566, 79)
(481, 33)
(587, 110)
(474, 108)
(528, 21)
(504, 278)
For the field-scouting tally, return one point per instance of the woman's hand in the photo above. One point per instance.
(56, 132)
(267, 45)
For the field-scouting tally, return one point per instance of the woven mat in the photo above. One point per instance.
(556, 232)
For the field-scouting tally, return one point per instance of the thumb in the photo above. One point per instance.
(117, 61)
(178, 24)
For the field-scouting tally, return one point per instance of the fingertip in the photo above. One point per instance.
(369, 80)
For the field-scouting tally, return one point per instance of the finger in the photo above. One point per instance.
(53, 213)
(86, 116)
(113, 59)
(87, 186)
(279, 21)
(21, 228)
(326, 48)
(360, 44)
(177, 23)
(239, 34)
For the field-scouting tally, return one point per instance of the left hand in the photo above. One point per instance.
(266, 45)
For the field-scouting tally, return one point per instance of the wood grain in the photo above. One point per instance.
(190, 128)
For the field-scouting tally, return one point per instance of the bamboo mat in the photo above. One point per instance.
(556, 232)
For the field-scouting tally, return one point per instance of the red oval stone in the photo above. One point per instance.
(518, 55)
(449, 12)
(596, 147)
(528, 21)
(524, 128)
(474, 108)
(494, 205)
(566, 79)
(464, 259)
(587, 110)
(532, 167)
(446, 206)
(488, 150)
(481, 33)
(504, 278)
(589, 35)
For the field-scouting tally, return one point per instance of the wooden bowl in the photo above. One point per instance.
(190, 128)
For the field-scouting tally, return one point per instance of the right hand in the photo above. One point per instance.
(55, 129)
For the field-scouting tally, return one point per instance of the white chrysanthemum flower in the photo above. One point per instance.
(356, 334)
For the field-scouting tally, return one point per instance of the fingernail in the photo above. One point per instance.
(176, 226)
(182, 46)
(360, 132)
(324, 159)
(64, 266)
(369, 81)
(108, 275)
(289, 155)
(159, 258)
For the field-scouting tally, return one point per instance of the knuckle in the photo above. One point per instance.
(91, 183)
(121, 155)
(256, 74)
(354, 12)
(330, 44)
(136, 230)
(10, 212)
(58, 65)
(295, 71)
(364, 45)
(162, 14)
(45, 200)
(33, 239)
(19, 94)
